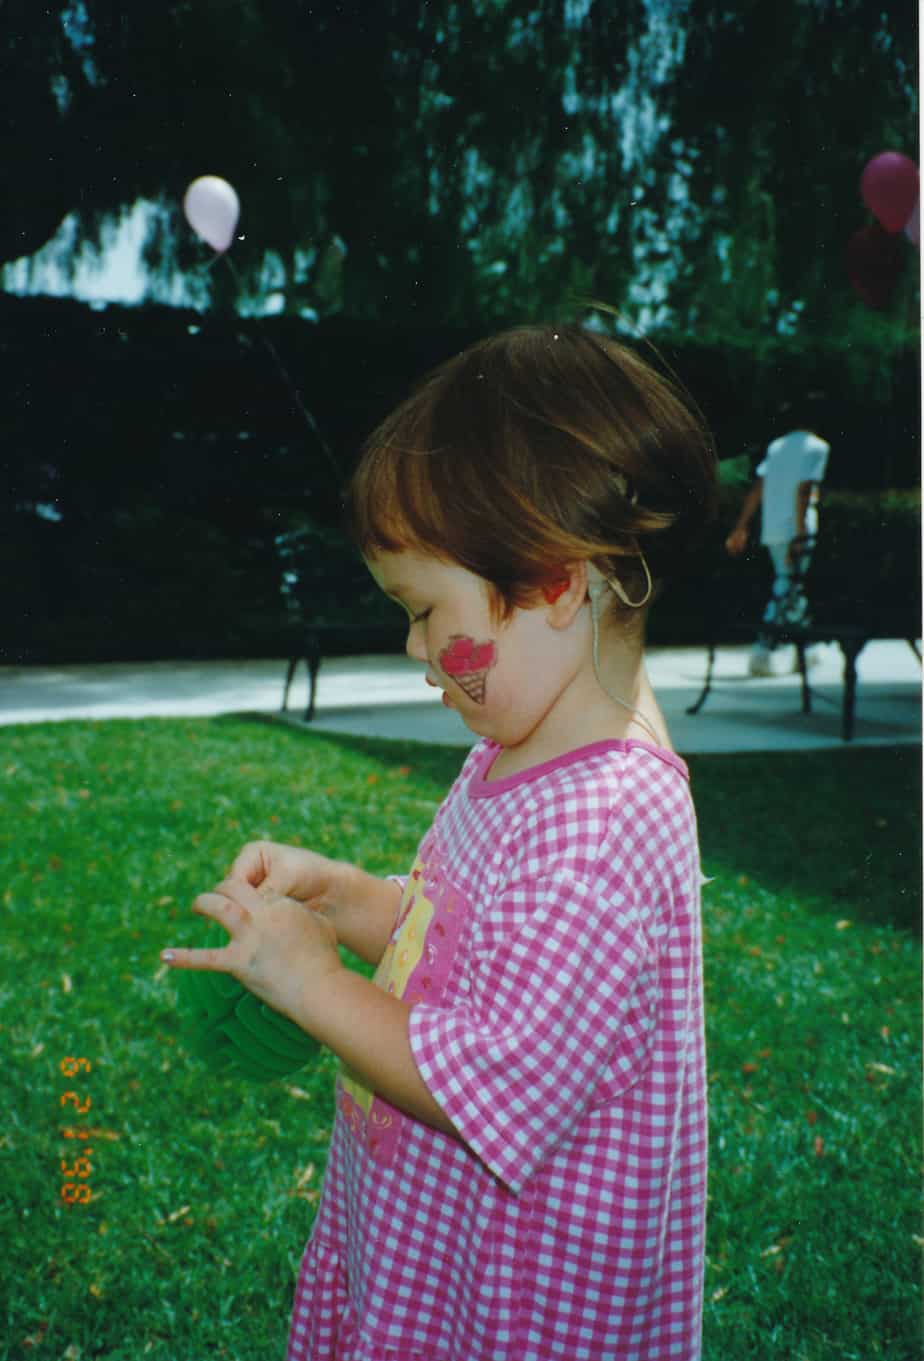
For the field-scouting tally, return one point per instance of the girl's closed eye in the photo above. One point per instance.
(419, 618)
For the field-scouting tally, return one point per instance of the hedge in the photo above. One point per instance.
(149, 457)
(153, 583)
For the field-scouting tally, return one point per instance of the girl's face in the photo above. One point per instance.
(502, 678)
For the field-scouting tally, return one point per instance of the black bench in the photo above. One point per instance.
(334, 606)
(838, 615)
(850, 638)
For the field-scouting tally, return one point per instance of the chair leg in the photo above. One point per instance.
(851, 650)
(314, 665)
(290, 672)
(803, 675)
(707, 685)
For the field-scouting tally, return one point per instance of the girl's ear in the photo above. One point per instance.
(555, 589)
(565, 594)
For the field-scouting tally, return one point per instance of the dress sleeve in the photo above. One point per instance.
(515, 1062)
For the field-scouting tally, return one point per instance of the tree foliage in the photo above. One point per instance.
(463, 161)
(792, 100)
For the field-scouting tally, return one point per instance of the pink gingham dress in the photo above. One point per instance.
(549, 941)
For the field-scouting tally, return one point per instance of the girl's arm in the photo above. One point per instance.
(361, 907)
(368, 1030)
(362, 910)
(285, 952)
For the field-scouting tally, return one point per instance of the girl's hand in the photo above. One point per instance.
(360, 907)
(279, 949)
(288, 871)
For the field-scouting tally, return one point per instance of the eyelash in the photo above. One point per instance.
(419, 618)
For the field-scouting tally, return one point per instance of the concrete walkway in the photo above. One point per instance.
(387, 697)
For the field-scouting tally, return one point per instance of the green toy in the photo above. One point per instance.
(234, 1032)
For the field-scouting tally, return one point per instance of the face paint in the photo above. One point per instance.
(468, 663)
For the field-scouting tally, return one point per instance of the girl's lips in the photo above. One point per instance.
(446, 700)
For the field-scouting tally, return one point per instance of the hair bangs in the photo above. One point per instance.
(392, 504)
(533, 449)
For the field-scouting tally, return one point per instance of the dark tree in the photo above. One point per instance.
(695, 164)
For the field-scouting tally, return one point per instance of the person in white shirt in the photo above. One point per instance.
(787, 491)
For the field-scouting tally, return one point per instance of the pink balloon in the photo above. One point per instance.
(889, 186)
(913, 225)
(212, 209)
(874, 260)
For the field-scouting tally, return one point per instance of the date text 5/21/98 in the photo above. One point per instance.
(78, 1165)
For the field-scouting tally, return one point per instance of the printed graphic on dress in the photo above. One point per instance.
(415, 967)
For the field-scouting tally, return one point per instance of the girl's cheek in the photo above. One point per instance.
(470, 666)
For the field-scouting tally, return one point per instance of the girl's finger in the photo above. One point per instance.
(215, 960)
(228, 904)
(250, 864)
(244, 895)
(216, 904)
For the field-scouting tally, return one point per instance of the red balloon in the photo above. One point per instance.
(889, 186)
(874, 260)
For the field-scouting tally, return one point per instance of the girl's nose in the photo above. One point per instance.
(414, 647)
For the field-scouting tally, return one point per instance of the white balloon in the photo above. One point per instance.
(212, 209)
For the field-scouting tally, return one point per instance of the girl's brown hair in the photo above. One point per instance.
(538, 447)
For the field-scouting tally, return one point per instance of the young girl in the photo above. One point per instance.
(518, 1165)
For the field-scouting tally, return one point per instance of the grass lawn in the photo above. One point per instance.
(203, 1189)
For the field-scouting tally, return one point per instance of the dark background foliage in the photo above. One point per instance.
(414, 175)
(478, 161)
(174, 459)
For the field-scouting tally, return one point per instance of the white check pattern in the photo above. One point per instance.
(567, 1048)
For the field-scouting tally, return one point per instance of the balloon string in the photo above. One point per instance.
(309, 420)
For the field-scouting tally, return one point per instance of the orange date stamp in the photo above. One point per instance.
(77, 1168)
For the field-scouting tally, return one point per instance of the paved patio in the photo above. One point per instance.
(387, 697)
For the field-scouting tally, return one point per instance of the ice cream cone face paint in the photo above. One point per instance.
(502, 677)
(468, 662)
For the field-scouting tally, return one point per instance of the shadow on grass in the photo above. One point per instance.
(839, 830)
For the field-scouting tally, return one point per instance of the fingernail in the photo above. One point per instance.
(167, 956)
